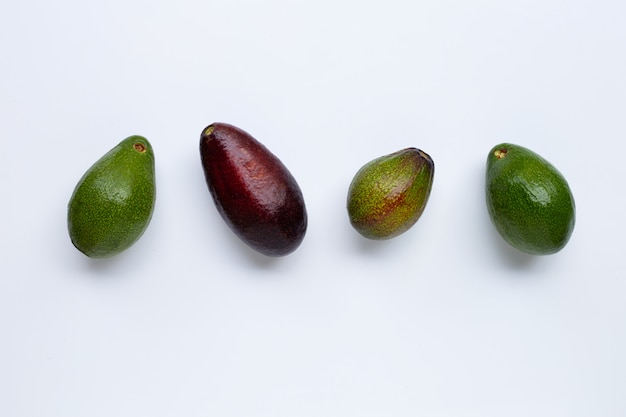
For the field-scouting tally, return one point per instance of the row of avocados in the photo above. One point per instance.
(529, 201)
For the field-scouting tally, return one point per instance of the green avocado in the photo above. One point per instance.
(388, 194)
(113, 202)
(529, 201)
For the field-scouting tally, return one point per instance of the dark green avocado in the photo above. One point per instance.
(529, 201)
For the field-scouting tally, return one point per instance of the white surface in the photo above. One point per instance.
(445, 320)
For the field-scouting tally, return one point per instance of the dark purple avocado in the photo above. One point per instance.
(253, 191)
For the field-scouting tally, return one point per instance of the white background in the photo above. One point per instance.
(445, 320)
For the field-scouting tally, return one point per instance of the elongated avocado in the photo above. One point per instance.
(254, 192)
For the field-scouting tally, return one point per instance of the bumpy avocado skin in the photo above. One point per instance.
(529, 201)
(389, 194)
(112, 204)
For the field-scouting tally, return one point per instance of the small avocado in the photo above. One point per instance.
(112, 203)
(253, 190)
(528, 199)
(388, 194)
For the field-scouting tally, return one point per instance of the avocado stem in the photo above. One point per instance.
(208, 130)
(500, 153)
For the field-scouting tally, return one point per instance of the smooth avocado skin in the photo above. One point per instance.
(529, 201)
(254, 192)
(113, 202)
(389, 194)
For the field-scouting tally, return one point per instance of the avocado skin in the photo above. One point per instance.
(529, 201)
(112, 204)
(253, 190)
(389, 194)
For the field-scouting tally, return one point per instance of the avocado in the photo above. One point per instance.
(388, 194)
(254, 192)
(112, 204)
(528, 199)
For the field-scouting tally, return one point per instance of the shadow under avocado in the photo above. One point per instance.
(379, 247)
(111, 267)
(512, 257)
